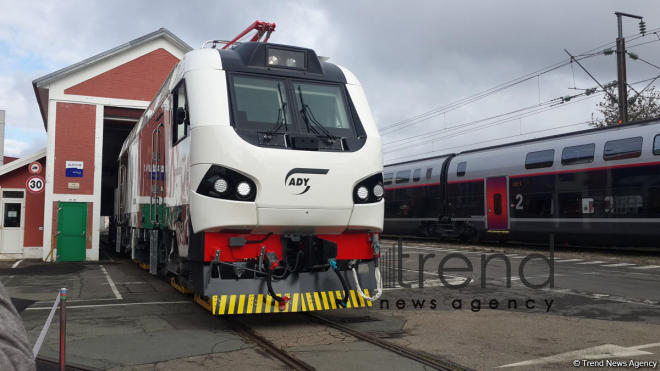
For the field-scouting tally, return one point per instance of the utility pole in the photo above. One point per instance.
(621, 67)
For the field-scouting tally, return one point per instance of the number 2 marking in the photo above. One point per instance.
(519, 201)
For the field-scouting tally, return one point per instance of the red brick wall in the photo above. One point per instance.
(138, 79)
(34, 204)
(74, 141)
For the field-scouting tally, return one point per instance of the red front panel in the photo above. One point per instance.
(349, 246)
(496, 203)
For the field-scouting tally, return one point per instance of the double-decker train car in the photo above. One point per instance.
(597, 186)
(254, 180)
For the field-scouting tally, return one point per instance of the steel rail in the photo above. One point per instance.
(421, 357)
(285, 357)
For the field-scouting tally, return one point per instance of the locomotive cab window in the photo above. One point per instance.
(417, 174)
(323, 108)
(429, 173)
(622, 148)
(460, 169)
(260, 104)
(581, 154)
(539, 159)
(656, 145)
(402, 177)
(387, 178)
(180, 113)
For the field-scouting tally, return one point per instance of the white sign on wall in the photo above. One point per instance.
(74, 169)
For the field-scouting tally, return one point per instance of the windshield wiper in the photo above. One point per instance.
(281, 116)
(308, 116)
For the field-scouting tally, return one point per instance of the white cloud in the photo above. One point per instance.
(17, 148)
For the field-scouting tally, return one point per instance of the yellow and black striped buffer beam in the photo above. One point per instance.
(298, 302)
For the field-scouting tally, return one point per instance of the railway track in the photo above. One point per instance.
(295, 363)
(269, 347)
(421, 357)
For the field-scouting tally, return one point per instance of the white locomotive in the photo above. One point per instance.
(254, 179)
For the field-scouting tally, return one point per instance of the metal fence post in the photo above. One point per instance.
(552, 260)
(62, 329)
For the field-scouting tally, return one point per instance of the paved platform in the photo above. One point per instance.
(120, 317)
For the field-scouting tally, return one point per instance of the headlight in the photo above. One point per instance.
(221, 186)
(378, 190)
(243, 189)
(362, 193)
(220, 182)
(369, 190)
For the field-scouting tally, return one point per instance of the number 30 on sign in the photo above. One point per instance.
(35, 184)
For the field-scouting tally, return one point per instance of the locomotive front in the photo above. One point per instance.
(285, 182)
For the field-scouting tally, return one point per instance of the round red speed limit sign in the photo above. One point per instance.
(35, 184)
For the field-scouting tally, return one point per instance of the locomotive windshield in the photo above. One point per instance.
(271, 111)
(324, 103)
(261, 103)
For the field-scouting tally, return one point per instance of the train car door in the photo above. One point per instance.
(496, 204)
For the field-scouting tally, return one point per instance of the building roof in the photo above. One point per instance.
(43, 81)
(17, 164)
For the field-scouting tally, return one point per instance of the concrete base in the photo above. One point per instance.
(28, 253)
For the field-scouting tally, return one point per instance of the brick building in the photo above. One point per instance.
(88, 109)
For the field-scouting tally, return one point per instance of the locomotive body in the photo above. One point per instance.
(254, 179)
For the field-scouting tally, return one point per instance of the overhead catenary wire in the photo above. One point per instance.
(521, 112)
(446, 152)
(398, 142)
(475, 97)
(401, 144)
(417, 155)
(486, 125)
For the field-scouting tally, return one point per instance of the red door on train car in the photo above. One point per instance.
(496, 203)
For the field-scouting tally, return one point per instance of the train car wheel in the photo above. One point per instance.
(431, 229)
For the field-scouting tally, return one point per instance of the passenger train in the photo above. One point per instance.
(597, 186)
(254, 180)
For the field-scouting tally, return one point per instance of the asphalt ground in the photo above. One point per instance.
(120, 317)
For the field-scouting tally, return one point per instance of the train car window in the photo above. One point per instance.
(417, 174)
(429, 173)
(539, 159)
(180, 118)
(387, 178)
(581, 154)
(402, 177)
(460, 168)
(656, 145)
(622, 148)
(497, 203)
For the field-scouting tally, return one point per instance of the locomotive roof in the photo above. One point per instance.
(251, 57)
(563, 135)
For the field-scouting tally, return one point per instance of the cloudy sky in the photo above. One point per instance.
(413, 58)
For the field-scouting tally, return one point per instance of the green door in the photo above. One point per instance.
(71, 231)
